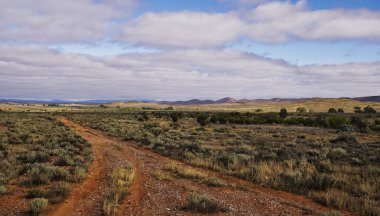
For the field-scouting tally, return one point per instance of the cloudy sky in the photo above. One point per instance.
(182, 49)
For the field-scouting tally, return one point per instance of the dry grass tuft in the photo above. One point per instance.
(203, 204)
(162, 176)
(185, 172)
(122, 179)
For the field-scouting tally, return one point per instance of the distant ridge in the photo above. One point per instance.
(26, 101)
(368, 99)
(272, 100)
(226, 100)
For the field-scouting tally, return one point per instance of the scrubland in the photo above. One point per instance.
(333, 159)
(40, 158)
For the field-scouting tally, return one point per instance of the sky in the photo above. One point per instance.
(182, 49)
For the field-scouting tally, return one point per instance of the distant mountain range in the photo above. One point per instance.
(272, 100)
(230, 100)
(187, 102)
(25, 101)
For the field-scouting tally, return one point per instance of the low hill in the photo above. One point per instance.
(368, 99)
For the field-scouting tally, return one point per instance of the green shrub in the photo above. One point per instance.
(65, 160)
(79, 174)
(39, 175)
(337, 121)
(337, 153)
(59, 173)
(369, 109)
(36, 193)
(44, 173)
(38, 205)
(359, 122)
(61, 189)
(3, 190)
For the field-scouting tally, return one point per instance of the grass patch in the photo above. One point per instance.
(342, 200)
(122, 178)
(215, 182)
(162, 176)
(185, 172)
(331, 213)
(202, 204)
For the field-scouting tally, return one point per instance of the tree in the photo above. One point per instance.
(332, 110)
(301, 109)
(214, 119)
(283, 113)
(174, 117)
(203, 119)
(340, 110)
(369, 109)
(358, 109)
(222, 120)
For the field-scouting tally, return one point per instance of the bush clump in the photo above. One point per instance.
(61, 189)
(36, 193)
(3, 190)
(38, 205)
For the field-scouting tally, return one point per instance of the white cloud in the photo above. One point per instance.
(48, 21)
(284, 21)
(32, 72)
(246, 2)
(272, 22)
(183, 29)
(59, 21)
